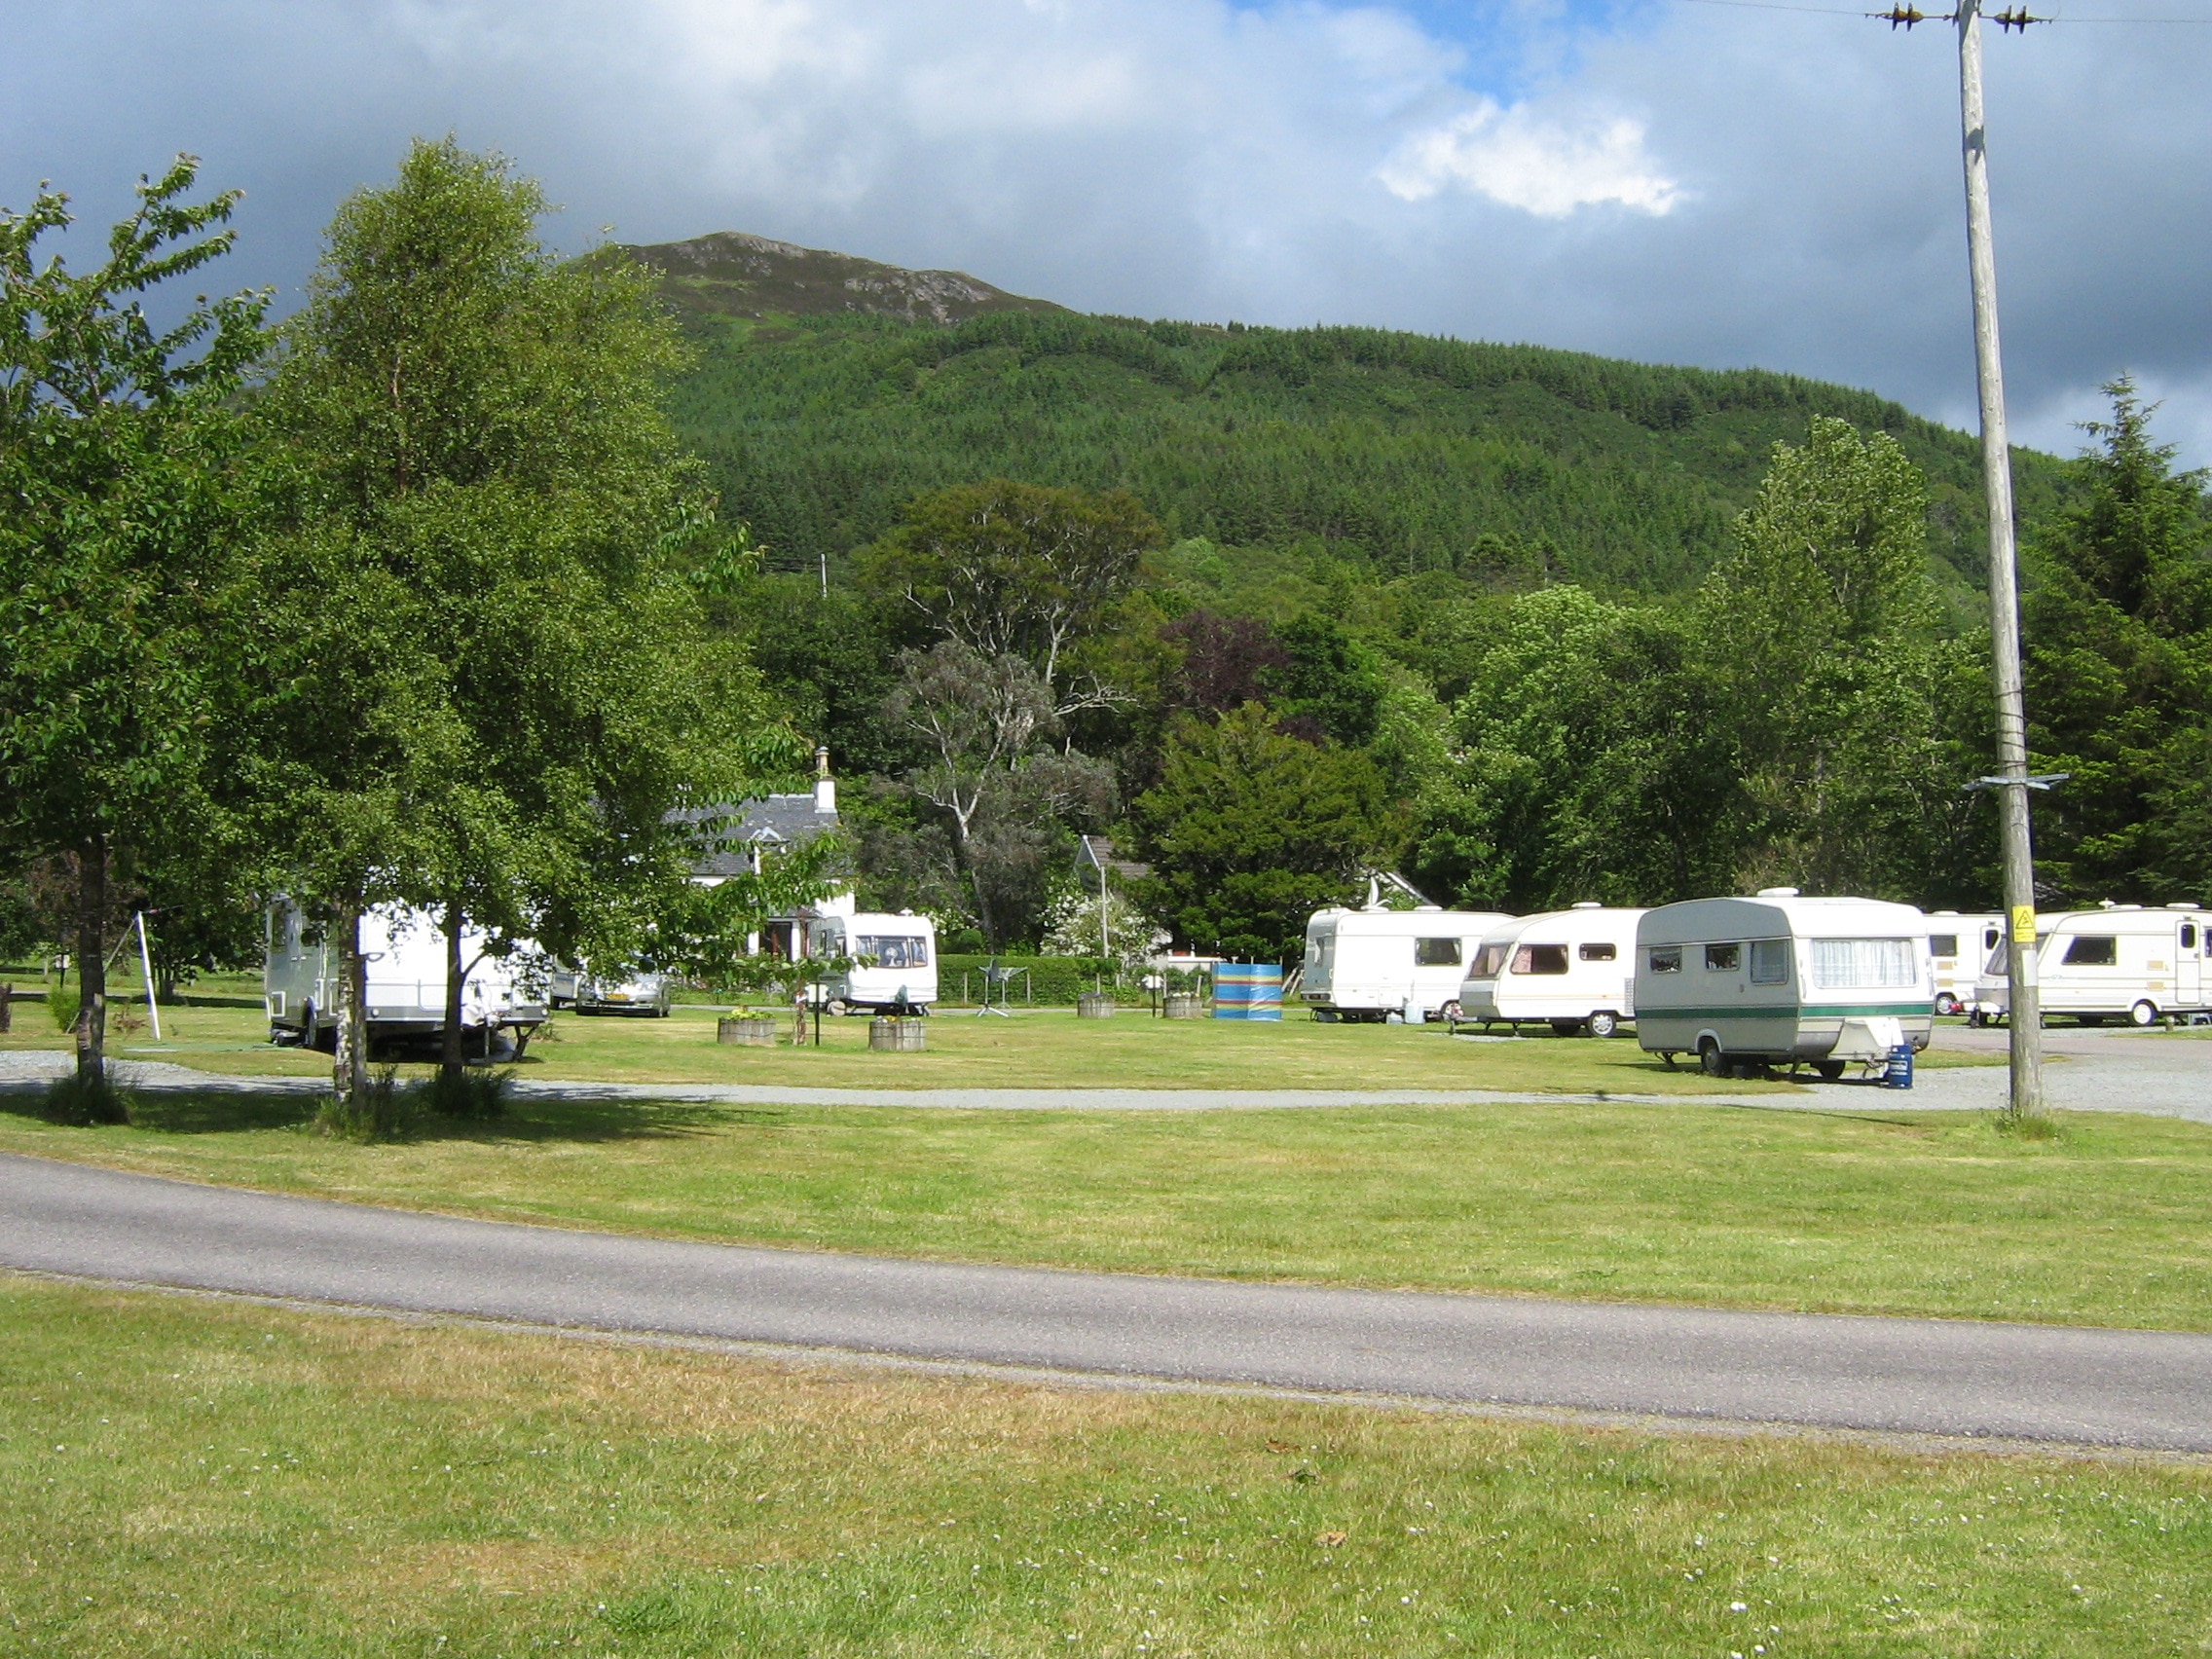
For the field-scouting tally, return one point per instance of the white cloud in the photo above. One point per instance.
(1697, 184)
(1529, 162)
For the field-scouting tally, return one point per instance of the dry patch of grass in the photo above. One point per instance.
(195, 1477)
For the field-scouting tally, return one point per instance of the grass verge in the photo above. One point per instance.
(1873, 1211)
(1042, 1049)
(198, 1478)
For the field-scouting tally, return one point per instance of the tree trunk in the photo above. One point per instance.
(350, 1072)
(964, 861)
(451, 1055)
(92, 959)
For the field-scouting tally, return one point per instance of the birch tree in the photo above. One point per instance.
(119, 507)
(491, 535)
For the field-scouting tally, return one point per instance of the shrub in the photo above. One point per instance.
(64, 1003)
(481, 1096)
(386, 1111)
(87, 1102)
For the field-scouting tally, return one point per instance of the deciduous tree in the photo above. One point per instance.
(498, 653)
(120, 504)
(1014, 569)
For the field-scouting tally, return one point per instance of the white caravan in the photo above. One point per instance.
(1373, 963)
(1957, 947)
(898, 970)
(1744, 983)
(1572, 970)
(406, 1000)
(2121, 962)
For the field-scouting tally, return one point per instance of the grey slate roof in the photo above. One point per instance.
(777, 820)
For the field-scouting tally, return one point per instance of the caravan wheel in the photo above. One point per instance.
(1946, 1005)
(2143, 1013)
(1604, 1023)
(1711, 1060)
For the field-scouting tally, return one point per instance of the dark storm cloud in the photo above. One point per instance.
(1693, 184)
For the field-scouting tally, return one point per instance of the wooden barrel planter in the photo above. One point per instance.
(1094, 1004)
(1184, 1005)
(751, 1031)
(898, 1036)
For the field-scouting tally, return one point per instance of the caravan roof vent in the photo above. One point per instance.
(2127, 906)
(1437, 907)
(2185, 904)
(1778, 893)
(2106, 905)
(1588, 904)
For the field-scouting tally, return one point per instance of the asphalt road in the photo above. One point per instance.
(2142, 1389)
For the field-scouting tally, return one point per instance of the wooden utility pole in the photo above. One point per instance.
(2012, 782)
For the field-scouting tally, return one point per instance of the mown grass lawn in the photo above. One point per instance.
(192, 1477)
(1867, 1211)
(226, 1032)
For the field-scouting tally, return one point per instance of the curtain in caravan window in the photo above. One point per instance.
(1540, 959)
(1862, 964)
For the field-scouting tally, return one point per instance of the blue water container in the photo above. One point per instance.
(1247, 990)
(1898, 1074)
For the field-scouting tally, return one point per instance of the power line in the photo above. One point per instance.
(1907, 16)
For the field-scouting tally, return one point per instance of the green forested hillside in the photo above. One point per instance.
(1409, 454)
(1527, 626)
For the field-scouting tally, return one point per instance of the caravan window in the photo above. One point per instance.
(1540, 959)
(892, 950)
(1490, 962)
(1770, 962)
(2092, 950)
(1864, 964)
(1436, 953)
(1599, 952)
(1666, 959)
(1722, 958)
(1942, 944)
(2189, 936)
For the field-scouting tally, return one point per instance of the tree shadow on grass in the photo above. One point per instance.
(217, 1111)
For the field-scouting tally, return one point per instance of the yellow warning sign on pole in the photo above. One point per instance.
(2023, 924)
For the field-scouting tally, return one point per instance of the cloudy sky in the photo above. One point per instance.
(1679, 180)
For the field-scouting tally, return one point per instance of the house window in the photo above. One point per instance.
(1436, 953)
(1599, 952)
(1942, 944)
(1666, 959)
(1864, 964)
(2092, 950)
(1722, 958)
(1770, 962)
(1540, 959)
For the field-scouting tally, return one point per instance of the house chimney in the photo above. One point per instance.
(825, 786)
